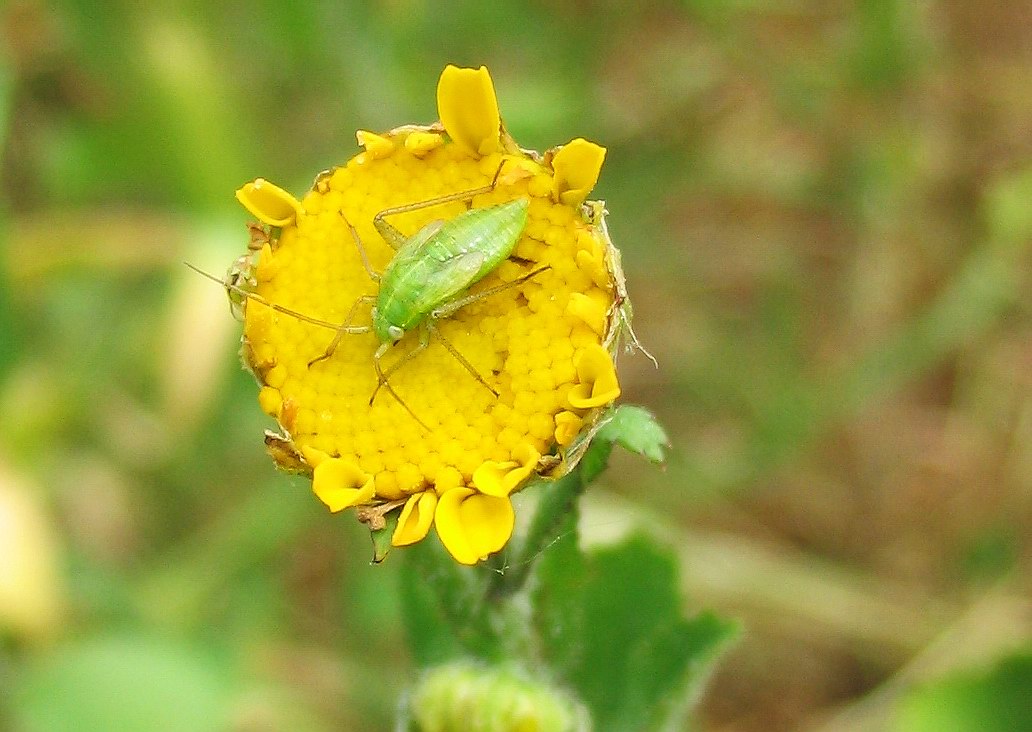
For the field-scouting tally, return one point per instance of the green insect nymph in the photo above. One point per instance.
(441, 261)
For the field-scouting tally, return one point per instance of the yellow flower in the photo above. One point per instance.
(269, 203)
(507, 381)
(567, 426)
(376, 146)
(592, 312)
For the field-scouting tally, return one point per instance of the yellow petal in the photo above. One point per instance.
(268, 203)
(267, 266)
(468, 108)
(259, 322)
(271, 401)
(420, 143)
(576, 165)
(377, 146)
(473, 526)
(567, 426)
(416, 517)
(502, 478)
(593, 262)
(314, 457)
(338, 483)
(596, 376)
(589, 310)
(519, 168)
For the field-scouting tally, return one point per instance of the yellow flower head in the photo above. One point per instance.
(509, 377)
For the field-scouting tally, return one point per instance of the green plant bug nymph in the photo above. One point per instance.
(441, 261)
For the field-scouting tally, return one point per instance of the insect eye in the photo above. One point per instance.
(395, 332)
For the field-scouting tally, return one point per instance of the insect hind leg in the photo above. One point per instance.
(453, 306)
(396, 239)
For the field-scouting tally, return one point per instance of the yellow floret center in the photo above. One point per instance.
(525, 341)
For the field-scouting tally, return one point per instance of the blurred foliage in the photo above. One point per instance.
(994, 701)
(825, 215)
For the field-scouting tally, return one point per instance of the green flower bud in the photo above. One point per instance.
(466, 697)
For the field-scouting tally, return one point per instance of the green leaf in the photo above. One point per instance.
(683, 653)
(611, 626)
(636, 430)
(994, 701)
(444, 607)
(123, 683)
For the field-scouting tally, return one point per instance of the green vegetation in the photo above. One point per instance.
(825, 213)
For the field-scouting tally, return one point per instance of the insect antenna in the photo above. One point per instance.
(229, 286)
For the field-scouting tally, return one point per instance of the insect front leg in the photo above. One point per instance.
(346, 328)
(382, 377)
(373, 274)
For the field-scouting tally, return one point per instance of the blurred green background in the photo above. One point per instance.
(825, 211)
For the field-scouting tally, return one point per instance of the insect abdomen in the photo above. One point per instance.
(492, 231)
